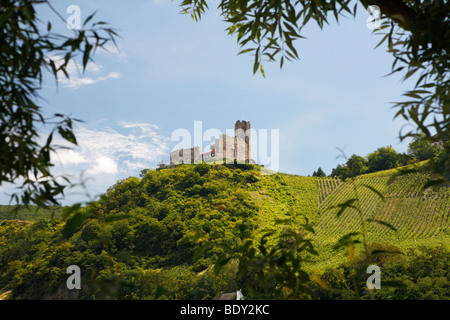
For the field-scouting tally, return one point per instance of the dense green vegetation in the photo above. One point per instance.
(31, 213)
(197, 230)
(419, 273)
(385, 158)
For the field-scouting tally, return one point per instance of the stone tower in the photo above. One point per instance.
(242, 132)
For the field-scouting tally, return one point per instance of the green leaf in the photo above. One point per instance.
(309, 227)
(374, 190)
(74, 222)
(67, 135)
(160, 290)
(393, 284)
(410, 73)
(346, 240)
(343, 206)
(412, 94)
(293, 52)
(200, 250)
(382, 40)
(67, 211)
(262, 71)
(383, 223)
(434, 183)
(256, 63)
(86, 54)
(220, 262)
(379, 251)
(246, 50)
(116, 217)
(89, 18)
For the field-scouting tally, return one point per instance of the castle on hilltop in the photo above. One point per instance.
(224, 149)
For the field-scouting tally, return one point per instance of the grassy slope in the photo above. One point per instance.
(285, 197)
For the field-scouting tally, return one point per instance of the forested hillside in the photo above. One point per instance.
(197, 230)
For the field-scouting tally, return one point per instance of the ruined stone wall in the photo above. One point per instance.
(240, 148)
(226, 147)
(242, 132)
(187, 156)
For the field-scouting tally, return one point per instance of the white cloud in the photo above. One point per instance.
(67, 157)
(103, 165)
(107, 151)
(75, 82)
(105, 155)
(77, 77)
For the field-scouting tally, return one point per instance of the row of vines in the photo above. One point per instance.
(402, 203)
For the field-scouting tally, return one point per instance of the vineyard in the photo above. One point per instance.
(395, 211)
(326, 186)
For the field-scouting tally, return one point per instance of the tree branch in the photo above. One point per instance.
(397, 10)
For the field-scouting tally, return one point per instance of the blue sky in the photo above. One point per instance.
(170, 71)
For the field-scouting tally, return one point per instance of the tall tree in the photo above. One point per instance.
(28, 48)
(422, 148)
(383, 159)
(357, 165)
(319, 173)
(341, 171)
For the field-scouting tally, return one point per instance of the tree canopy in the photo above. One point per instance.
(422, 149)
(383, 159)
(319, 173)
(357, 164)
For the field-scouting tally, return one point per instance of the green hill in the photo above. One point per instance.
(160, 235)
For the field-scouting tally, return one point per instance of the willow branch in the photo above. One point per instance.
(397, 10)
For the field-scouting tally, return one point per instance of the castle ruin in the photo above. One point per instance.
(224, 149)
